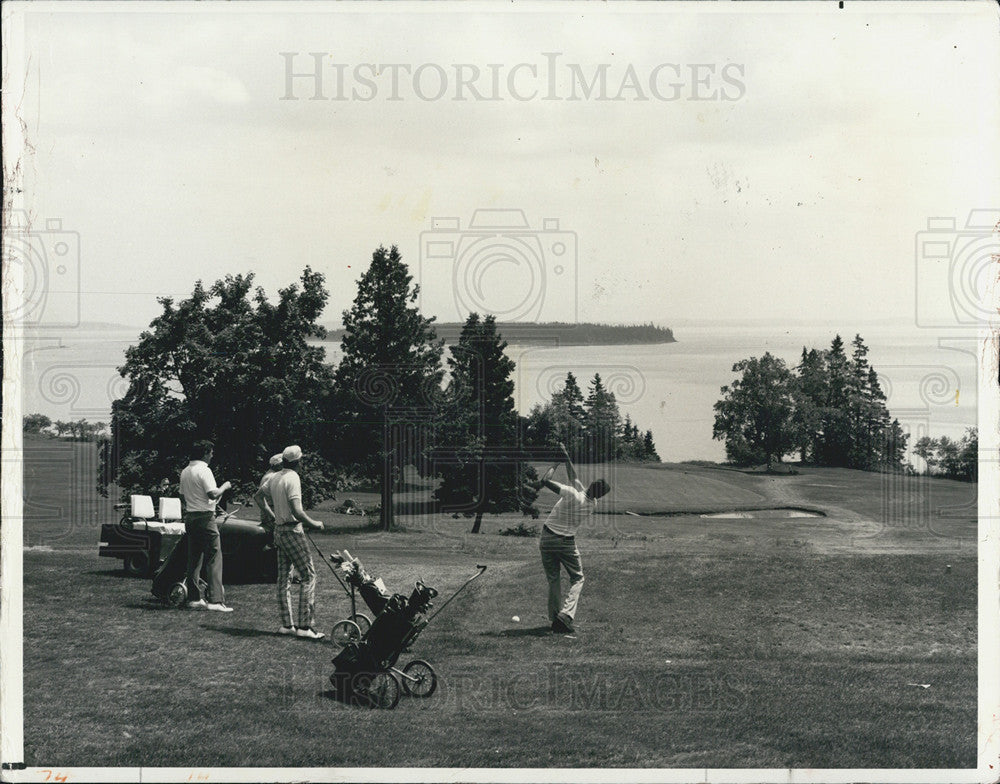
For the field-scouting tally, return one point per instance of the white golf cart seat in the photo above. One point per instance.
(141, 510)
(170, 516)
(170, 509)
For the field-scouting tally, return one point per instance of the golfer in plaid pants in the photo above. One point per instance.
(283, 499)
(293, 551)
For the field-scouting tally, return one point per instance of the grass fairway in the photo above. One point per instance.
(761, 641)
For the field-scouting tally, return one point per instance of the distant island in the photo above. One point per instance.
(557, 333)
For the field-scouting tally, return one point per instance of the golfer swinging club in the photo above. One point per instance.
(558, 543)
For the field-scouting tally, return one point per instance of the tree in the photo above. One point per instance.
(539, 426)
(629, 444)
(754, 417)
(968, 456)
(649, 448)
(569, 417)
(926, 449)
(480, 420)
(951, 459)
(603, 421)
(835, 441)
(894, 445)
(810, 395)
(226, 365)
(34, 424)
(389, 378)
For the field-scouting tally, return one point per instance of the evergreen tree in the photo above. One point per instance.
(882, 434)
(857, 406)
(835, 441)
(569, 417)
(592, 430)
(603, 421)
(894, 445)
(810, 395)
(389, 379)
(480, 421)
(628, 446)
(649, 448)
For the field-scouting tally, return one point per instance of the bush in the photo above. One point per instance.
(520, 530)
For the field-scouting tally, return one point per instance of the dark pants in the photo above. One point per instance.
(203, 545)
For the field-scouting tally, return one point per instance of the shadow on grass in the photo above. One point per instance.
(351, 700)
(153, 604)
(238, 631)
(534, 631)
(116, 573)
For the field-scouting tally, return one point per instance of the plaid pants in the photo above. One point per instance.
(292, 551)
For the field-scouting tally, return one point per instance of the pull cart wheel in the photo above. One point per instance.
(383, 690)
(419, 679)
(137, 564)
(345, 632)
(178, 595)
(363, 621)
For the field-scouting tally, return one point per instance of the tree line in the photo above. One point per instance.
(580, 334)
(73, 430)
(829, 410)
(951, 459)
(229, 365)
(592, 428)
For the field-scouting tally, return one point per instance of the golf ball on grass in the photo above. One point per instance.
(516, 618)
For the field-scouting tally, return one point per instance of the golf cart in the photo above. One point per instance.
(145, 541)
(141, 539)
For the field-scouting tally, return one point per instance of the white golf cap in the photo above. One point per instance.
(292, 454)
(275, 461)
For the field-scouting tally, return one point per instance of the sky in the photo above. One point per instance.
(743, 160)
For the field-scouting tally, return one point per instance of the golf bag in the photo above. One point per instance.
(372, 589)
(396, 627)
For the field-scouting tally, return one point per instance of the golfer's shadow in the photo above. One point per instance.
(533, 631)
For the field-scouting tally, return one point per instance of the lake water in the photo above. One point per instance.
(669, 389)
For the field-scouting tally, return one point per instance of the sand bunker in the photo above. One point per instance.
(761, 514)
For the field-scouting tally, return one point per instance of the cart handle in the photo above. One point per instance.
(348, 591)
(481, 568)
